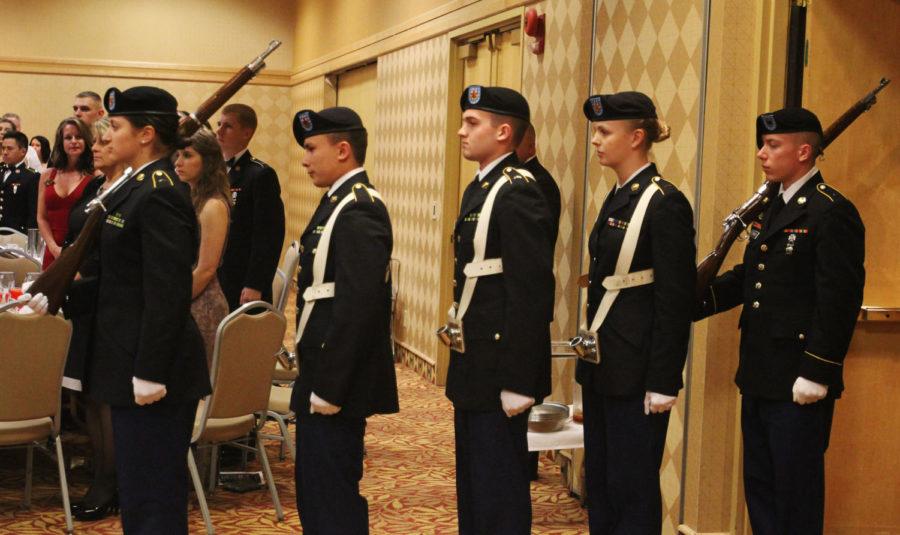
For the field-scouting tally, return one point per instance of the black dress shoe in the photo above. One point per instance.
(88, 512)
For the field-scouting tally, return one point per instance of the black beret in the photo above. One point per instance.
(499, 100)
(786, 120)
(308, 123)
(141, 100)
(619, 106)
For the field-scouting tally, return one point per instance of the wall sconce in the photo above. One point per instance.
(534, 27)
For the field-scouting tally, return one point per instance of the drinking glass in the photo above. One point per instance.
(6, 283)
(29, 279)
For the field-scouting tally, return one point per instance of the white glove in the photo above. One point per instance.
(658, 403)
(317, 404)
(36, 304)
(147, 392)
(514, 403)
(806, 391)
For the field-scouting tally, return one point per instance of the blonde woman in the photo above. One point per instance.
(628, 393)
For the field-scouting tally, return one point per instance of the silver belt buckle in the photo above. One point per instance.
(451, 335)
(586, 346)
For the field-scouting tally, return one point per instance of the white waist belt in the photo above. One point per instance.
(621, 282)
(492, 266)
(318, 291)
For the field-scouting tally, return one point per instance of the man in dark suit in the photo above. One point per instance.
(801, 287)
(527, 154)
(256, 234)
(18, 185)
(504, 366)
(343, 334)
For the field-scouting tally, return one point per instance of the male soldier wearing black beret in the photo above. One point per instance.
(500, 353)
(527, 154)
(343, 331)
(801, 286)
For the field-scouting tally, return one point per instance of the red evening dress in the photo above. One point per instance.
(57, 209)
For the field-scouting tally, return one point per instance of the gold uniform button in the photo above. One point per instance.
(802, 336)
(314, 250)
(496, 336)
(756, 304)
(763, 247)
(758, 285)
(761, 267)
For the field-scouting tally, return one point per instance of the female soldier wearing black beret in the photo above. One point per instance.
(642, 281)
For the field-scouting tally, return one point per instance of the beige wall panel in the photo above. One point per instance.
(359, 19)
(409, 171)
(555, 84)
(654, 47)
(300, 195)
(183, 32)
(357, 89)
(855, 44)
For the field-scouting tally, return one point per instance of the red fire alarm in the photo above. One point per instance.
(534, 27)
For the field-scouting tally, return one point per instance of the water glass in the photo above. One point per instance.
(29, 280)
(33, 236)
(7, 280)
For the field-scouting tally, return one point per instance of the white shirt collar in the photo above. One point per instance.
(636, 173)
(533, 156)
(786, 194)
(345, 177)
(236, 157)
(141, 168)
(490, 167)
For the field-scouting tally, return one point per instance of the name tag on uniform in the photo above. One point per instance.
(115, 220)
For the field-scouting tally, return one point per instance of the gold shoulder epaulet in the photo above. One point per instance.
(516, 173)
(161, 177)
(827, 191)
(362, 193)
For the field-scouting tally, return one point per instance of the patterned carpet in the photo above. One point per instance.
(409, 482)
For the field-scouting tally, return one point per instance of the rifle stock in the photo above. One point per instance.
(56, 280)
(740, 218)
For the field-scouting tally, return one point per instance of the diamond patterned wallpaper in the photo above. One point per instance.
(655, 46)
(555, 84)
(409, 171)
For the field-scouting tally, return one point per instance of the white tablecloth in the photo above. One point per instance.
(569, 437)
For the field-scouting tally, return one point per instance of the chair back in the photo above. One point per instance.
(281, 284)
(19, 263)
(32, 358)
(243, 359)
(12, 236)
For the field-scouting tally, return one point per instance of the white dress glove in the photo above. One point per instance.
(806, 391)
(514, 403)
(147, 392)
(36, 304)
(317, 404)
(657, 403)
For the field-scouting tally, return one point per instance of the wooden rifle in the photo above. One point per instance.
(738, 221)
(55, 281)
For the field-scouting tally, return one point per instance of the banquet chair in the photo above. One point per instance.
(19, 263)
(281, 286)
(32, 358)
(12, 236)
(247, 341)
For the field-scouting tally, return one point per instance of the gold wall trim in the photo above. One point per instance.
(136, 69)
(684, 529)
(440, 20)
(416, 352)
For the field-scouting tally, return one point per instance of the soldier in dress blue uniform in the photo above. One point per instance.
(256, 232)
(801, 287)
(18, 185)
(643, 339)
(504, 366)
(148, 360)
(527, 154)
(346, 367)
